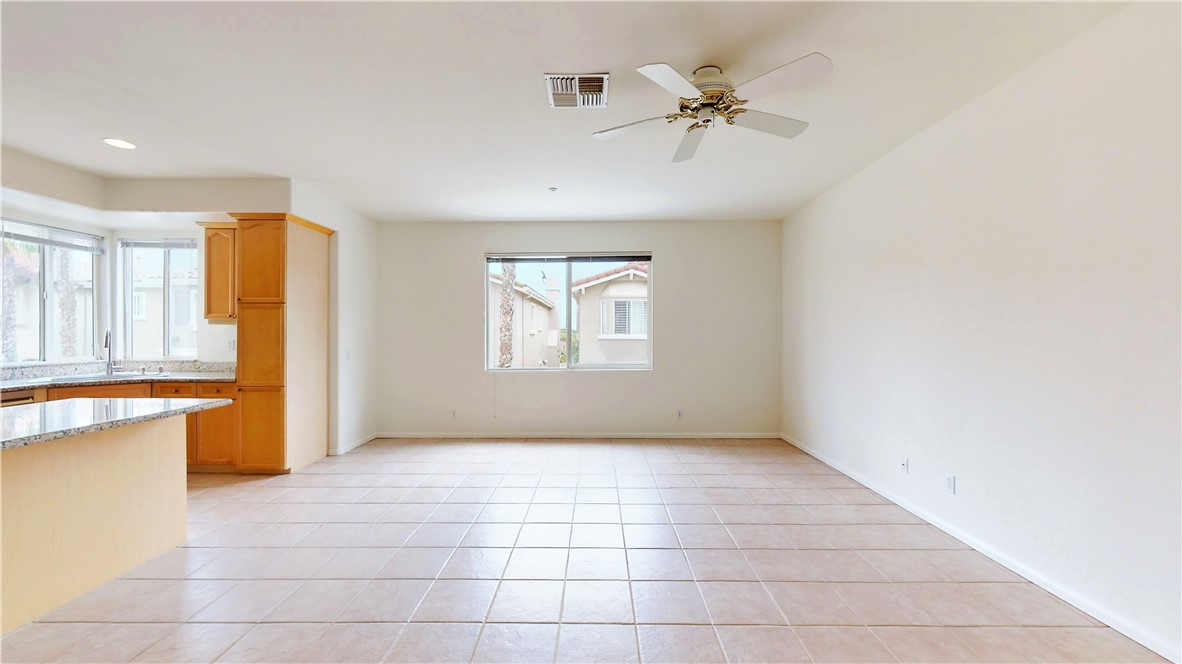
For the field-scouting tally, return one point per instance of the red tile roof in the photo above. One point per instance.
(639, 267)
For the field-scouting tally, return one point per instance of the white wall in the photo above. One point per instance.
(725, 377)
(998, 299)
(353, 299)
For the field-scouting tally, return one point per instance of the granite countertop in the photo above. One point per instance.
(102, 379)
(40, 422)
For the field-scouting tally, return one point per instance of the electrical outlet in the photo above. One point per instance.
(950, 484)
(679, 414)
(232, 344)
(453, 414)
(905, 467)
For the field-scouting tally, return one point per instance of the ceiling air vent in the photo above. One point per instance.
(577, 90)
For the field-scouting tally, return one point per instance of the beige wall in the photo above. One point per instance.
(998, 299)
(418, 389)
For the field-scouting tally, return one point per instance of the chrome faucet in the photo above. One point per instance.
(110, 360)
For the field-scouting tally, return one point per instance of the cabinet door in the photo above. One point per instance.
(220, 266)
(217, 436)
(124, 391)
(262, 435)
(260, 344)
(262, 247)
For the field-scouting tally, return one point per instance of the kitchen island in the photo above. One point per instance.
(90, 489)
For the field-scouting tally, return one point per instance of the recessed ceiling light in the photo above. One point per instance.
(119, 143)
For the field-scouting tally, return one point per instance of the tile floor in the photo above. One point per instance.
(563, 551)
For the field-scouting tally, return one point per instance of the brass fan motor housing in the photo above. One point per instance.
(725, 104)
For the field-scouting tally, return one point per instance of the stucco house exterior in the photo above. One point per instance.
(613, 318)
(535, 326)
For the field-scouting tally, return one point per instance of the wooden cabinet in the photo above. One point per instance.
(261, 253)
(174, 390)
(261, 344)
(217, 435)
(220, 273)
(262, 411)
(124, 391)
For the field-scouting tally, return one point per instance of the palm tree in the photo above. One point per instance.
(508, 281)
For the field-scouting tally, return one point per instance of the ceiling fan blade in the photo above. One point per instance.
(622, 129)
(689, 145)
(777, 125)
(668, 78)
(798, 72)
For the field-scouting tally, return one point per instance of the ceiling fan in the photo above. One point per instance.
(710, 96)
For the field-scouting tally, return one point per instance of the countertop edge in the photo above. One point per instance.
(18, 384)
(33, 439)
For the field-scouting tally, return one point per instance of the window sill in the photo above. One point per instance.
(623, 336)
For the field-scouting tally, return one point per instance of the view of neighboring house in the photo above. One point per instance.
(613, 315)
(147, 315)
(535, 327)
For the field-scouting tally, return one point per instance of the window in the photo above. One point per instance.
(48, 293)
(623, 318)
(537, 307)
(160, 298)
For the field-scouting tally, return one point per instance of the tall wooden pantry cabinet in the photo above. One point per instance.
(281, 305)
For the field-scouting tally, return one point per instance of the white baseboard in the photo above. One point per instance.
(1155, 642)
(572, 434)
(339, 450)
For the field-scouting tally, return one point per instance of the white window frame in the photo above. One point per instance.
(46, 238)
(126, 245)
(567, 258)
(139, 305)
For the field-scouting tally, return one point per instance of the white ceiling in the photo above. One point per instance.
(437, 111)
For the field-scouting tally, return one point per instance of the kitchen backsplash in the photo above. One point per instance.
(68, 369)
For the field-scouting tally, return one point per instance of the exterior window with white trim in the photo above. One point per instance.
(586, 311)
(49, 296)
(160, 298)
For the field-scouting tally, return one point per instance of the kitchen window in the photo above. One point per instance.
(570, 311)
(48, 293)
(160, 295)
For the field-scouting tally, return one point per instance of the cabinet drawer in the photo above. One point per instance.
(179, 390)
(217, 391)
(125, 391)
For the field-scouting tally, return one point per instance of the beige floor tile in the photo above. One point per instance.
(536, 564)
(597, 495)
(1052, 644)
(456, 600)
(832, 566)
(437, 535)
(175, 564)
(669, 602)
(925, 644)
(176, 603)
(317, 601)
(658, 565)
(679, 644)
(108, 601)
(423, 563)
(596, 513)
(297, 563)
(704, 536)
(842, 644)
(703, 514)
(597, 564)
(550, 513)
(367, 535)
(491, 535)
(719, 565)
(476, 563)
(249, 601)
(650, 536)
(758, 643)
(386, 600)
(597, 602)
(811, 604)
(512, 643)
(435, 642)
(43, 642)
(597, 535)
(643, 514)
(929, 565)
(407, 513)
(356, 563)
(610, 644)
(527, 601)
(503, 513)
(464, 513)
(194, 642)
(114, 643)
(544, 535)
(740, 603)
(554, 495)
